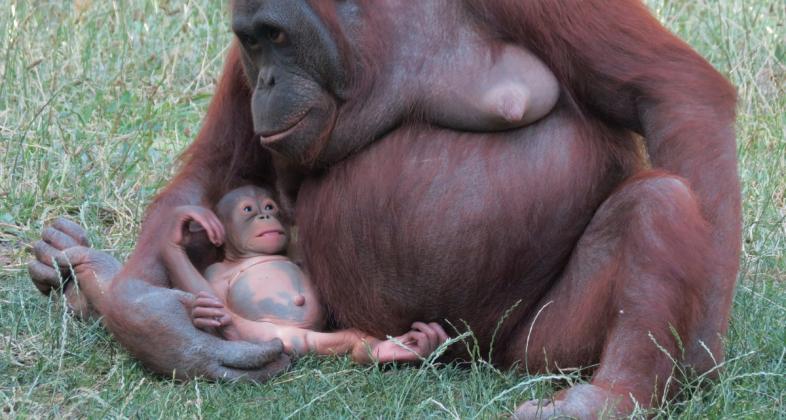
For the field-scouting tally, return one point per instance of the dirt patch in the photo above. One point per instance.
(5, 255)
(11, 243)
(9, 255)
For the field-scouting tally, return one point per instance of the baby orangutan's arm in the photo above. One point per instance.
(418, 343)
(182, 273)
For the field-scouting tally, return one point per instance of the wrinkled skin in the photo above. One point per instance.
(603, 251)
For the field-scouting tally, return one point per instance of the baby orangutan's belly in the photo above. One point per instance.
(277, 292)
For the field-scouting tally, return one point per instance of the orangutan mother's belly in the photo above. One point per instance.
(429, 224)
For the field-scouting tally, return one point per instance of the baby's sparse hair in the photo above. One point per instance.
(227, 202)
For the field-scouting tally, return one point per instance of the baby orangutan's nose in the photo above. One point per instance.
(264, 216)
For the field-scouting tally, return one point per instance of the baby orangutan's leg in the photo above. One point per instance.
(485, 92)
(63, 258)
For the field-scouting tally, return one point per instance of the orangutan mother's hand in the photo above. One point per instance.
(154, 324)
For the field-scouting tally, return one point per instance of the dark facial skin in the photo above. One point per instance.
(252, 223)
(292, 61)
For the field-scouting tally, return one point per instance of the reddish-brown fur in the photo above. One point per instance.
(602, 250)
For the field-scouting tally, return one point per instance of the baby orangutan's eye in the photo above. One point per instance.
(269, 207)
(247, 209)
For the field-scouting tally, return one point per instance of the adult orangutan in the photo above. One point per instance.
(610, 252)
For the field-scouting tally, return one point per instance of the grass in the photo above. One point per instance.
(97, 98)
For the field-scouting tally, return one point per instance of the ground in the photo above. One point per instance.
(97, 98)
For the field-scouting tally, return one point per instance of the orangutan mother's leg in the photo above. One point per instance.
(132, 308)
(633, 285)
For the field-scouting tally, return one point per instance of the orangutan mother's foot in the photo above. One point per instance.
(578, 402)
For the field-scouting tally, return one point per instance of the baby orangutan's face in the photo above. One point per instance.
(252, 222)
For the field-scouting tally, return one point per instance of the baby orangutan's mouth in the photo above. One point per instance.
(270, 232)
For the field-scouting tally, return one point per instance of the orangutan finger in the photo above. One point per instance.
(45, 253)
(431, 335)
(205, 225)
(73, 256)
(245, 355)
(443, 336)
(225, 320)
(251, 365)
(421, 339)
(205, 323)
(44, 277)
(73, 230)
(57, 238)
(211, 225)
(202, 312)
(218, 228)
(208, 302)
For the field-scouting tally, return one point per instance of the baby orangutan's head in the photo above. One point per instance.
(252, 222)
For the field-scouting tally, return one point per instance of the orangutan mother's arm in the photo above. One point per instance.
(151, 321)
(223, 154)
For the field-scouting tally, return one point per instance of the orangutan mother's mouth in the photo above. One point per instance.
(274, 136)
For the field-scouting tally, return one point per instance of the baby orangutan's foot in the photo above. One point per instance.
(413, 346)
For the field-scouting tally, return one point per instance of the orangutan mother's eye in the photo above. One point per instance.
(275, 35)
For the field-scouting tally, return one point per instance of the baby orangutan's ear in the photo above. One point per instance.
(195, 227)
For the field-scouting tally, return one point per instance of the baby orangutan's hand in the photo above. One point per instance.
(419, 343)
(182, 216)
(208, 312)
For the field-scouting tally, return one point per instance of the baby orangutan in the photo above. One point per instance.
(255, 294)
